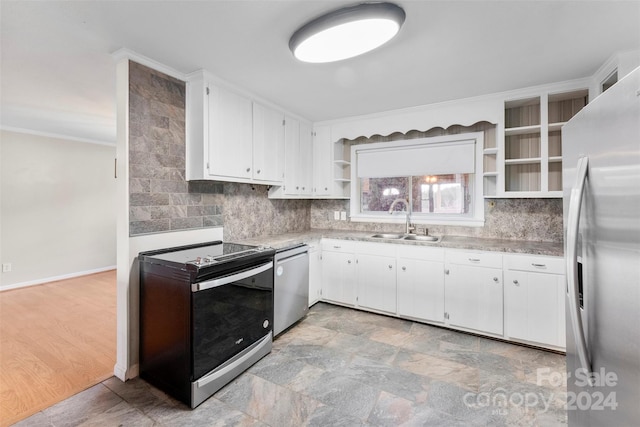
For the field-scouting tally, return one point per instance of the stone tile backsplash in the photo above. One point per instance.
(511, 219)
(248, 212)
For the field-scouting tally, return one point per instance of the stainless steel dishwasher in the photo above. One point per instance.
(291, 286)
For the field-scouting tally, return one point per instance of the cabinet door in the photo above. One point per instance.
(291, 156)
(376, 282)
(338, 277)
(315, 275)
(420, 287)
(322, 161)
(534, 307)
(268, 144)
(230, 134)
(473, 298)
(305, 161)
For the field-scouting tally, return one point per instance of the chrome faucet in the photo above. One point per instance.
(407, 209)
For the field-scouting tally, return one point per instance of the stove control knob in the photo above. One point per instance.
(198, 260)
(208, 258)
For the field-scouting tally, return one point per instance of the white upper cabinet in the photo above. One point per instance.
(298, 161)
(322, 161)
(305, 162)
(268, 144)
(230, 134)
(230, 137)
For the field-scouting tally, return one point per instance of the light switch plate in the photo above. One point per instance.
(6, 268)
(336, 215)
(343, 215)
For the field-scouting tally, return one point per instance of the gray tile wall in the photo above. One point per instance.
(160, 199)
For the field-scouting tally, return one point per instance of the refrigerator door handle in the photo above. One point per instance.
(573, 223)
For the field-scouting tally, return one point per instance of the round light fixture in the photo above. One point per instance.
(346, 32)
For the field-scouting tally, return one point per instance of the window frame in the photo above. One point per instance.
(475, 218)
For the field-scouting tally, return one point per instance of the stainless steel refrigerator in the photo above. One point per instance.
(601, 180)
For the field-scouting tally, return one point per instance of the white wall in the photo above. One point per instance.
(58, 208)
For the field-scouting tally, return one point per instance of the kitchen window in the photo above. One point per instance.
(439, 178)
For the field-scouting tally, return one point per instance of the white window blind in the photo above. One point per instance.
(417, 159)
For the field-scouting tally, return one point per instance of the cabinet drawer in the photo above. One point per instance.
(538, 264)
(381, 249)
(421, 253)
(335, 245)
(480, 259)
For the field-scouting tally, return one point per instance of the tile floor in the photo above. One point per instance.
(343, 367)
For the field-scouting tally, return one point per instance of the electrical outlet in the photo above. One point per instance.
(343, 215)
(6, 268)
(336, 215)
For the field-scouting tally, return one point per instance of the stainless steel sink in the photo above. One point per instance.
(391, 236)
(422, 238)
(388, 236)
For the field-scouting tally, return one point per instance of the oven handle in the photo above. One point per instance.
(195, 287)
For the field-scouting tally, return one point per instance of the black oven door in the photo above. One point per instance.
(229, 314)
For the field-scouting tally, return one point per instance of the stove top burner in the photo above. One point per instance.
(209, 254)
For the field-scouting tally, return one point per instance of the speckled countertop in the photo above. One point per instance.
(280, 241)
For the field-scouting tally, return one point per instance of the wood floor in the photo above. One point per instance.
(56, 340)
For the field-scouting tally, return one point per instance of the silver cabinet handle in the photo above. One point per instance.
(495, 279)
(538, 265)
(390, 266)
(515, 282)
(196, 287)
(573, 223)
(474, 259)
(404, 268)
(258, 171)
(337, 247)
(348, 261)
(446, 272)
(248, 169)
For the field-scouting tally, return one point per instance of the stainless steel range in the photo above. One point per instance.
(206, 315)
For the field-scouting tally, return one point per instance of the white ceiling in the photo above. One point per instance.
(58, 76)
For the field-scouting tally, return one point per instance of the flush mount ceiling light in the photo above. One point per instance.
(346, 32)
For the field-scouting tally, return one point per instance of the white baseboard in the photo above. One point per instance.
(124, 374)
(56, 278)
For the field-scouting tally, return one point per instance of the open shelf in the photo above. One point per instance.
(563, 106)
(532, 162)
(522, 130)
(525, 161)
(522, 146)
(342, 168)
(523, 177)
(522, 113)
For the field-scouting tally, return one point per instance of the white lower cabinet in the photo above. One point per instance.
(315, 274)
(376, 276)
(420, 283)
(512, 296)
(473, 291)
(534, 299)
(338, 272)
